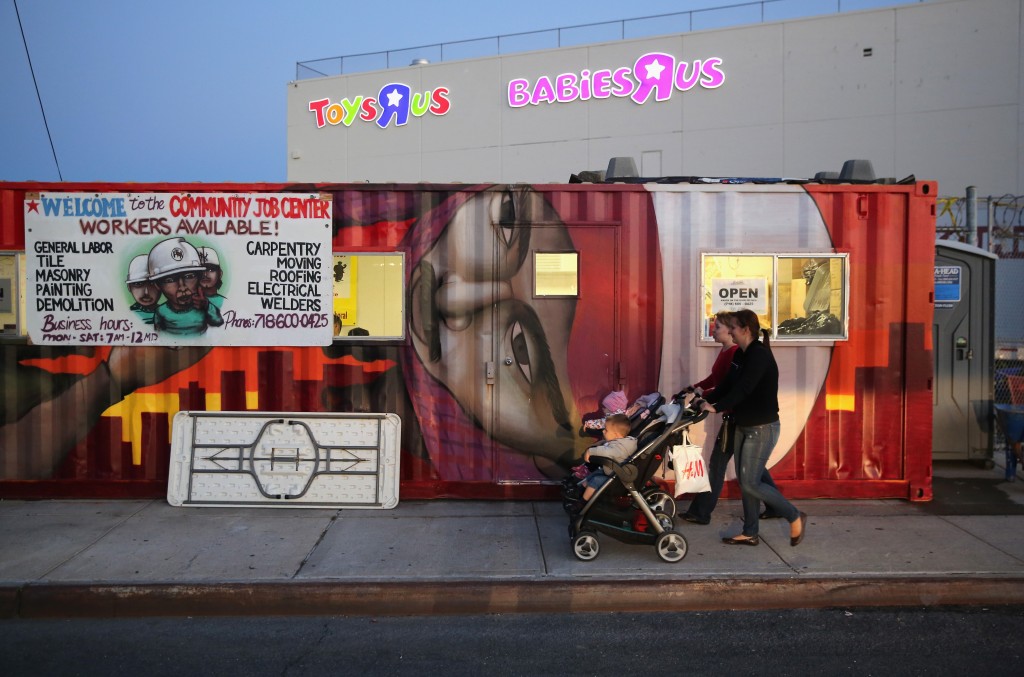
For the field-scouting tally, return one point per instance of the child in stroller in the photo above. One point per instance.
(641, 415)
(638, 413)
(617, 447)
(619, 508)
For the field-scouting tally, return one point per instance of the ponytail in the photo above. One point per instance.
(765, 341)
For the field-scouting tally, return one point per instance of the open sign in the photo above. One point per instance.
(744, 293)
(732, 294)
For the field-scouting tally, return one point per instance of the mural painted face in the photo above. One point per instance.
(472, 303)
(180, 289)
(146, 294)
(210, 280)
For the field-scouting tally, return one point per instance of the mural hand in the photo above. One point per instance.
(133, 367)
(200, 301)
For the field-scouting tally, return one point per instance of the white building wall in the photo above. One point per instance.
(938, 97)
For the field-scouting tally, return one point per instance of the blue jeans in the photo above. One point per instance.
(703, 504)
(752, 446)
(596, 479)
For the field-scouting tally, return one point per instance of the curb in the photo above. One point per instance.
(32, 601)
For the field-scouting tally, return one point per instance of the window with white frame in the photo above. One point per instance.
(12, 295)
(795, 296)
(369, 295)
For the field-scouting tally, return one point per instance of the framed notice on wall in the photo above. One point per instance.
(732, 294)
(178, 268)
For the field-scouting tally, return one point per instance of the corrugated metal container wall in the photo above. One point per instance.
(493, 411)
(870, 432)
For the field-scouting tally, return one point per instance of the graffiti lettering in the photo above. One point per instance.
(115, 324)
(51, 324)
(312, 276)
(231, 319)
(143, 337)
(45, 247)
(279, 303)
(124, 227)
(280, 289)
(291, 321)
(60, 274)
(230, 227)
(64, 289)
(277, 321)
(71, 248)
(283, 248)
(148, 202)
(165, 268)
(84, 206)
(76, 305)
(232, 206)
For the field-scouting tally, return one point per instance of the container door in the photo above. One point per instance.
(545, 364)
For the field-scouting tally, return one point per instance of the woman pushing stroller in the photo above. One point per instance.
(703, 504)
(750, 392)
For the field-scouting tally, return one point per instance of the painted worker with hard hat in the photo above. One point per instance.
(175, 266)
(213, 277)
(145, 292)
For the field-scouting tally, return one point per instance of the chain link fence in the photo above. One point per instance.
(1009, 389)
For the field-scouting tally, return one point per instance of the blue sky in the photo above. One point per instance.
(195, 90)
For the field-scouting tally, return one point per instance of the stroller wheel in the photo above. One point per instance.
(661, 501)
(665, 520)
(586, 546)
(671, 546)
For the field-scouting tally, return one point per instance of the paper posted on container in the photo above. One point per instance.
(733, 294)
(178, 268)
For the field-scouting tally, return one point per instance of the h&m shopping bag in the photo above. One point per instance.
(691, 473)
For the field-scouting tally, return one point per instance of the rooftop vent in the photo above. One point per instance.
(621, 168)
(857, 170)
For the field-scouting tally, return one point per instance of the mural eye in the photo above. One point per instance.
(521, 351)
(507, 212)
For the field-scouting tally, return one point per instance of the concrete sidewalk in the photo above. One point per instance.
(122, 558)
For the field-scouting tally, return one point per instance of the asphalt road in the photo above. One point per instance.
(924, 641)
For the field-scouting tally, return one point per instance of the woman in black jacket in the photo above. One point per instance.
(751, 392)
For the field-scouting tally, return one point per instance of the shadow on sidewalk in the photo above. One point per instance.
(962, 488)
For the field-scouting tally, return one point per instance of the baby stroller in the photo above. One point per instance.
(619, 508)
(644, 421)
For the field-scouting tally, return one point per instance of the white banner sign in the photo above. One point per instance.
(732, 294)
(178, 268)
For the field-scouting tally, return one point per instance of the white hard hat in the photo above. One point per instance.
(208, 255)
(138, 269)
(174, 255)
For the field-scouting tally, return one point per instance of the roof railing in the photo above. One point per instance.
(707, 18)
